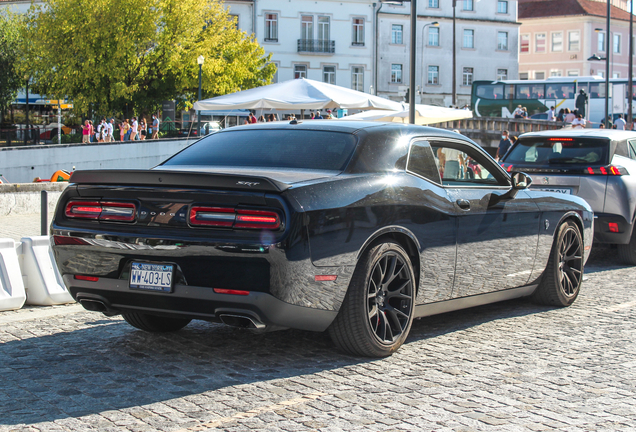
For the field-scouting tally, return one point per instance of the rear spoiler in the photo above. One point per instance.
(176, 179)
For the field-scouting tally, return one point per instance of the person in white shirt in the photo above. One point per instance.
(579, 122)
(620, 122)
(551, 116)
(109, 131)
(134, 129)
(518, 113)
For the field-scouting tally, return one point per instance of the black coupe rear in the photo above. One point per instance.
(355, 228)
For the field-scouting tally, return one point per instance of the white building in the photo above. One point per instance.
(487, 34)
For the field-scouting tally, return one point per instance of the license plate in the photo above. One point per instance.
(559, 190)
(151, 277)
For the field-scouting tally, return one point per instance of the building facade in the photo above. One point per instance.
(486, 41)
(560, 38)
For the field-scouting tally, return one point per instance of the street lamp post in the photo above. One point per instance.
(26, 131)
(200, 61)
(434, 24)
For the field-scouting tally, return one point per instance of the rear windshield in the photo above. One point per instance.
(558, 151)
(270, 148)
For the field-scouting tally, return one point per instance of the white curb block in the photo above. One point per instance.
(42, 280)
(12, 293)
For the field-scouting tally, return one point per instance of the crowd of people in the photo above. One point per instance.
(129, 130)
(315, 115)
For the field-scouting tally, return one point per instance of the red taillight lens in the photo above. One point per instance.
(325, 278)
(256, 219)
(101, 210)
(613, 227)
(86, 278)
(65, 241)
(608, 170)
(212, 216)
(83, 209)
(590, 170)
(231, 291)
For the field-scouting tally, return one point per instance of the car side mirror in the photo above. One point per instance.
(520, 180)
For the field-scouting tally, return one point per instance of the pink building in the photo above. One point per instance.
(557, 37)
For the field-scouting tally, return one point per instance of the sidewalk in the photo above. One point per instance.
(17, 226)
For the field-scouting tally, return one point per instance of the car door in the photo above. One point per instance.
(496, 238)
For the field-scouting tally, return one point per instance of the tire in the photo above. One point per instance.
(154, 323)
(627, 252)
(561, 280)
(377, 312)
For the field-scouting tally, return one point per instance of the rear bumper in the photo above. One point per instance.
(602, 233)
(194, 302)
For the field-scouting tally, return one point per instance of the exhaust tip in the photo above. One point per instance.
(241, 321)
(93, 305)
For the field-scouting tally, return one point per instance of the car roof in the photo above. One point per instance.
(612, 134)
(349, 126)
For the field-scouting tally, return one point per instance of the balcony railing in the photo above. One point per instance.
(316, 46)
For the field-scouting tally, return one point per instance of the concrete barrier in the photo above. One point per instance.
(24, 198)
(12, 293)
(22, 164)
(42, 280)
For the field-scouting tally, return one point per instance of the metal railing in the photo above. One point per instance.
(19, 135)
(317, 46)
(497, 124)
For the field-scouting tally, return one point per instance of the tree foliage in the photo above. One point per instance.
(11, 79)
(110, 55)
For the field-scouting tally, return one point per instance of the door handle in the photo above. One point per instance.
(463, 204)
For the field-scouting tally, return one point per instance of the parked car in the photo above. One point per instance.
(595, 164)
(210, 127)
(351, 227)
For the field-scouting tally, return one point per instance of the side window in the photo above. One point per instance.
(460, 165)
(621, 149)
(422, 162)
(632, 150)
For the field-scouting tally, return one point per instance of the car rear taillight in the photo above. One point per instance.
(257, 219)
(212, 216)
(86, 278)
(65, 241)
(234, 218)
(614, 170)
(101, 210)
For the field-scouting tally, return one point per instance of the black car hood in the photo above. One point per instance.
(288, 176)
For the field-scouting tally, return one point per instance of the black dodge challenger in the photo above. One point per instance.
(351, 227)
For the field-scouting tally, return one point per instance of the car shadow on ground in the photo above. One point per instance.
(110, 365)
(602, 258)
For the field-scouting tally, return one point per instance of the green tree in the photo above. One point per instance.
(110, 55)
(11, 80)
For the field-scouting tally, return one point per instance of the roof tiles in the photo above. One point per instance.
(553, 8)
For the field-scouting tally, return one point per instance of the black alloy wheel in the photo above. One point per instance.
(377, 312)
(390, 294)
(561, 280)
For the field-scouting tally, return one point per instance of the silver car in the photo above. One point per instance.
(596, 164)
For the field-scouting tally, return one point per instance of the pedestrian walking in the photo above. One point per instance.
(551, 116)
(261, 119)
(134, 129)
(569, 116)
(518, 112)
(155, 126)
(251, 118)
(143, 127)
(620, 122)
(504, 145)
(318, 115)
(330, 115)
(110, 128)
(86, 132)
(122, 130)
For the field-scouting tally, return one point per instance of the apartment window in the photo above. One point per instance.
(524, 43)
(523, 75)
(329, 74)
(556, 73)
(235, 20)
(557, 42)
(433, 75)
(433, 36)
(323, 28)
(617, 44)
(600, 42)
(502, 7)
(539, 43)
(468, 5)
(307, 27)
(433, 4)
(502, 74)
(502, 41)
(396, 34)
(275, 79)
(539, 75)
(574, 72)
(467, 76)
(600, 73)
(271, 27)
(616, 75)
(396, 73)
(469, 39)
(358, 32)
(357, 78)
(573, 40)
(300, 71)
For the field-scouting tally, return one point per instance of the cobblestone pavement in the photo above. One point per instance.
(511, 366)
(17, 226)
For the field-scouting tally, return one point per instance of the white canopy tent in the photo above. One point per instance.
(424, 114)
(298, 94)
